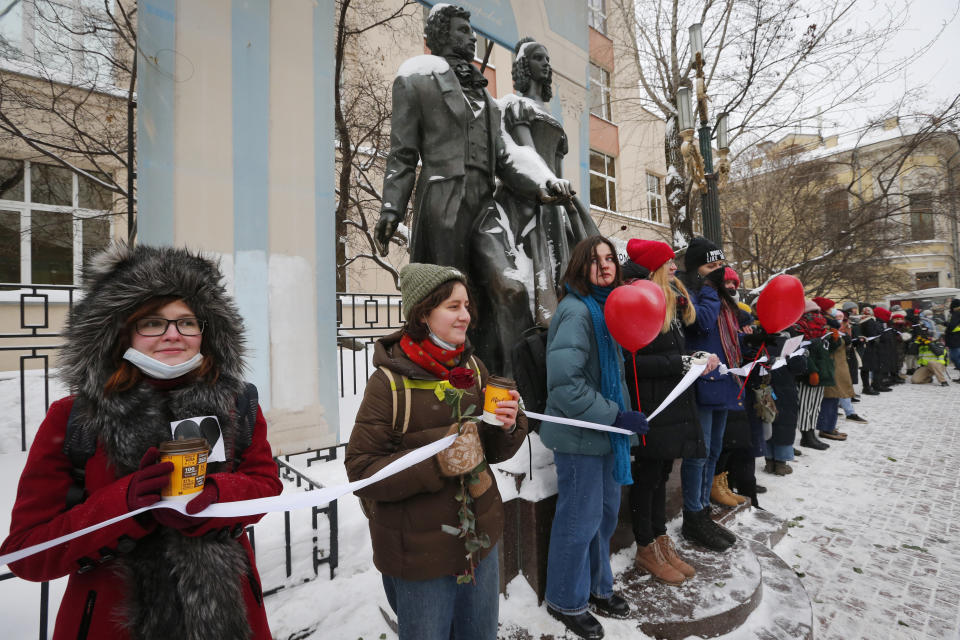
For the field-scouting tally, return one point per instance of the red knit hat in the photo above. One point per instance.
(883, 315)
(824, 303)
(730, 274)
(651, 254)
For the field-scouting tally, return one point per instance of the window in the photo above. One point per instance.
(836, 209)
(921, 216)
(600, 92)
(928, 279)
(597, 15)
(603, 182)
(51, 221)
(74, 38)
(655, 198)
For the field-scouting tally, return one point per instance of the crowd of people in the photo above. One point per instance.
(156, 339)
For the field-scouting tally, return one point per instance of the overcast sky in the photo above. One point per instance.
(937, 69)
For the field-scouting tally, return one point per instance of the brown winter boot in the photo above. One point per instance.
(726, 487)
(670, 553)
(652, 560)
(718, 495)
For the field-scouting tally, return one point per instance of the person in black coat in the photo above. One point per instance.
(952, 334)
(675, 433)
(783, 429)
(870, 372)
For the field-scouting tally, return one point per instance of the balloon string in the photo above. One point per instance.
(760, 351)
(636, 386)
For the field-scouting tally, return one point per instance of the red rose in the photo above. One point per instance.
(461, 377)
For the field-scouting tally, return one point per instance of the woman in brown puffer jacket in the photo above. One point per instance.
(437, 589)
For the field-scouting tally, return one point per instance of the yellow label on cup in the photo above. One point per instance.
(189, 471)
(493, 395)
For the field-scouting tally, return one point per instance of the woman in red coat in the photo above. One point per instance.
(155, 339)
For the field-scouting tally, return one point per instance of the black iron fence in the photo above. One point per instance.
(31, 335)
(361, 319)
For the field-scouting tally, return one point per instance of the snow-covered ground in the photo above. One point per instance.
(875, 524)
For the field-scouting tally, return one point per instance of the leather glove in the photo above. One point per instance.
(176, 520)
(148, 480)
(714, 278)
(464, 454)
(632, 421)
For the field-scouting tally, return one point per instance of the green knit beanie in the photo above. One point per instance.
(418, 280)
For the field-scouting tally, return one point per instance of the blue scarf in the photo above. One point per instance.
(610, 382)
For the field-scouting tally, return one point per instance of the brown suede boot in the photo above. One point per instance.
(718, 495)
(670, 553)
(651, 560)
(726, 487)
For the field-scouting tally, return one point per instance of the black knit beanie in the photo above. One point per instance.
(701, 251)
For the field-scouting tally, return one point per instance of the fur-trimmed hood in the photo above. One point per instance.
(127, 423)
(118, 281)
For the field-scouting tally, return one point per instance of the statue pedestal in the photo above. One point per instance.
(526, 532)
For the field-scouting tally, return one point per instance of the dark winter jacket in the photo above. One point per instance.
(952, 334)
(573, 383)
(675, 432)
(714, 390)
(821, 360)
(784, 383)
(136, 579)
(869, 328)
(409, 508)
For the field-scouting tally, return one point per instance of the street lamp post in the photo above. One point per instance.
(699, 162)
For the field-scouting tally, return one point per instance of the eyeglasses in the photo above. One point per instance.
(153, 327)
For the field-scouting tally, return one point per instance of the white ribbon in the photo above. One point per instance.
(687, 380)
(283, 502)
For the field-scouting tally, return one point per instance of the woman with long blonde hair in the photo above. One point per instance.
(676, 432)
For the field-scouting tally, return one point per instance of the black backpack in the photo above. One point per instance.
(530, 371)
(79, 444)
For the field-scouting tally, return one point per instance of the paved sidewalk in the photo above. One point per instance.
(875, 530)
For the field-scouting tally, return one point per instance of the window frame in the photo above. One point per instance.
(75, 71)
(922, 220)
(656, 196)
(27, 207)
(603, 87)
(608, 180)
(597, 15)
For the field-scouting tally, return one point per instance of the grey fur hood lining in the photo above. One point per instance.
(118, 281)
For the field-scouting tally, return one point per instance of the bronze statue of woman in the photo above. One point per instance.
(545, 232)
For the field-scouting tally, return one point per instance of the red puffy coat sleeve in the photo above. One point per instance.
(40, 512)
(255, 477)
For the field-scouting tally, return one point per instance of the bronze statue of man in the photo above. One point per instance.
(444, 118)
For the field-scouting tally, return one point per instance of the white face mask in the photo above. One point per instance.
(160, 370)
(440, 342)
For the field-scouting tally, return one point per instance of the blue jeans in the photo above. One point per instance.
(781, 452)
(847, 405)
(696, 474)
(827, 420)
(440, 609)
(588, 502)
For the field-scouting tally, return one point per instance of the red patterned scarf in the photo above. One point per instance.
(812, 325)
(729, 330)
(430, 357)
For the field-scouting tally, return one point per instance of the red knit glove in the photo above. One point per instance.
(176, 520)
(146, 483)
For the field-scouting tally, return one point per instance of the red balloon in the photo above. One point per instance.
(634, 314)
(780, 303)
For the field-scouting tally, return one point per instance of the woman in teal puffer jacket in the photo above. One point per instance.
(585, 382)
